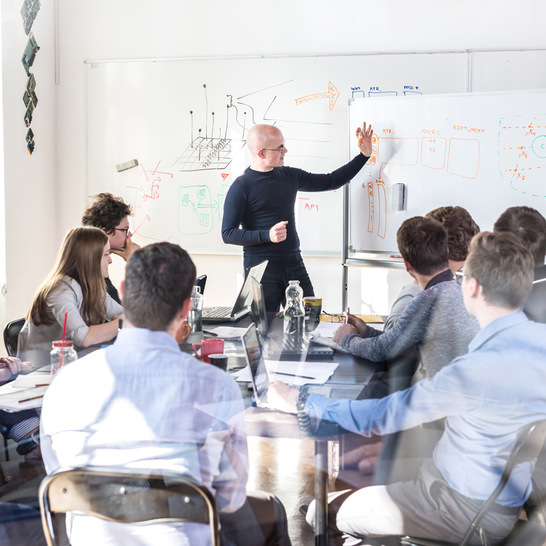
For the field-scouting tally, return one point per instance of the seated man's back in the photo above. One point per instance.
(143, 404)
(436, 320)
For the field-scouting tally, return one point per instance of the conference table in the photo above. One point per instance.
(349, 378)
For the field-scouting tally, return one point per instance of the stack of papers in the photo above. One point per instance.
(226, 332)
(324, 333)
(25, 392)
(293, 372)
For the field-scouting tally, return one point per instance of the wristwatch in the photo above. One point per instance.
(303, 419)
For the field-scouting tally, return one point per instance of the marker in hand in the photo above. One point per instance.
(347, 316)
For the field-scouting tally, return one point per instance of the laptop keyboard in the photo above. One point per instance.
(217, 312)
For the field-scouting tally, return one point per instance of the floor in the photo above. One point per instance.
(280, 466)
(284, 466)
(19, 483)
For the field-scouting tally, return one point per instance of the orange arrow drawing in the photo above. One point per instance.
(332, 94)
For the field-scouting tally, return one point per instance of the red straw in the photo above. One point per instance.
(64, 332)
(64, 327)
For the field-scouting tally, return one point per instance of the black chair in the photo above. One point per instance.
(4, 431)
(11, 332)
(123, 496)
(526, 448)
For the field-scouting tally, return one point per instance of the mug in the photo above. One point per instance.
(219, 360)
(313, 307)
(207, 347)
(183, 333)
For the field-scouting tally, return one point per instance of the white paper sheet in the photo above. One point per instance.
(299, 373)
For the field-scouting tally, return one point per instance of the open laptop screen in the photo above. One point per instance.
(256, 363)
(244, 298)
(259, 315)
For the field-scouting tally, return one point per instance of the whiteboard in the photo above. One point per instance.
(482, 151)
(185, 121)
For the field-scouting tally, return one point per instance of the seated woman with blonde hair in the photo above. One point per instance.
(75, 289)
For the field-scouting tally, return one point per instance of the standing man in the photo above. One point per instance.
(141, 403)
(259, 208)
(487, 396)
(111, 214)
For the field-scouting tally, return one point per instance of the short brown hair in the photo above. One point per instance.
(158, 280)
(423, 243)
(527, 224)
(106, 211)
(460, 228)
(502, 266)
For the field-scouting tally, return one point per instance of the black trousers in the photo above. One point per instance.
(279, 271)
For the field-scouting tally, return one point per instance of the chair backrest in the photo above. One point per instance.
(526, 448)
(11, 332)
(115, 494)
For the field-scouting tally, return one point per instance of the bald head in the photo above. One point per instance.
(266, 144)
(262, 136)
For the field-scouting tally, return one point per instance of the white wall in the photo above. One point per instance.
(3, 287)
(124, 29)
(31, 193)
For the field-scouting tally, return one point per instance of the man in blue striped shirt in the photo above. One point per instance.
(487, 396)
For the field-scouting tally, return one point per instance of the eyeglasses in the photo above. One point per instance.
(126, 229)
(281, 148)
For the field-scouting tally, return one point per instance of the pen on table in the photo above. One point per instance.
(210, 333)
(294, 375)
(29, 399)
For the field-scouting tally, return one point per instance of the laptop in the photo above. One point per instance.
(256, 363)
(201, 281)
(242, 302)
(288, 347)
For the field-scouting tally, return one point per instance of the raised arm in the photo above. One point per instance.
(364, 136)
(336, 179)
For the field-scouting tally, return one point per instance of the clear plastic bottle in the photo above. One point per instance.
(195, 317)
(294, 313)
(63, 353)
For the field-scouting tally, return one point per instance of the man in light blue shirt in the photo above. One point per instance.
(143, 404)
(487, 396)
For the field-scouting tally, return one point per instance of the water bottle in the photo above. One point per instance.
(294, 314)
(195, 317)
(63, 353)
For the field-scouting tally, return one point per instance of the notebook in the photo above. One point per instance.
(287, 348)
(242, 302)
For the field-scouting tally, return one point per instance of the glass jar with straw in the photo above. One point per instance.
(62, 352)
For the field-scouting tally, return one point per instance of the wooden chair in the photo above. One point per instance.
(123, 496)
